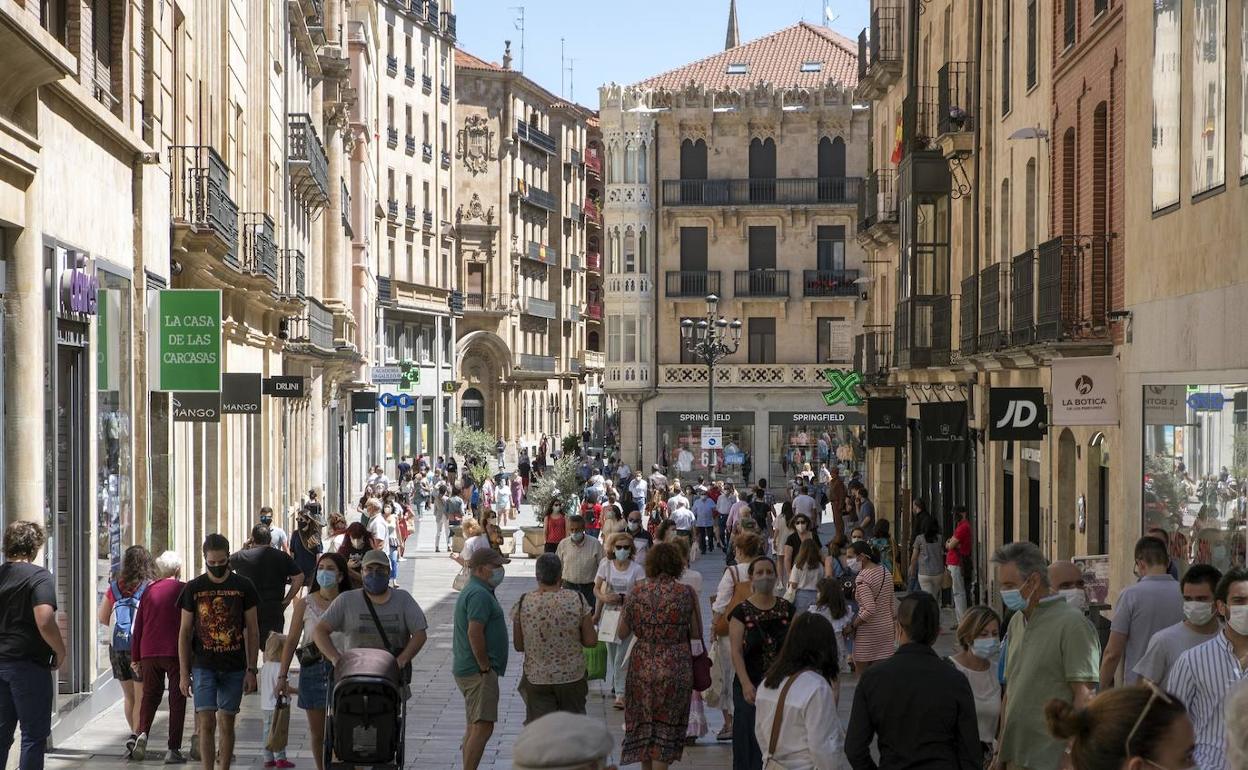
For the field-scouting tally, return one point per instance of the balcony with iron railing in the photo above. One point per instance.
(426, 152)
(538, 252)
(968, 326)
(921, 105)
(593, 161)
(593, 261)
(392, 208)
(392, 137)
(955, 108)
(877, 355)
(878, 205)
(409, 144)
(993, 293)
(446, 159)
(573, 262)
(593, 214)
(535, 137)
(535, 196)
(487, 304)
(692, 283)
(814, 191)
(200, 200)
(409, 74)
(760, 283)
(259, 255)
(293, 283)
(432, 11)
(880, 52)
(409, 215)
(593, 310)
(309, 167)
(527, 362)
(392, 65)
(427, 219)
(575, 212)
(1073, 280)
(1023, 299)
(444, 93)
(923, 328)
(830, 283)
(418, 8)
(312, 331)
(426, 84)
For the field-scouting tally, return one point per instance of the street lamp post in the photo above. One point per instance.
(709, 340)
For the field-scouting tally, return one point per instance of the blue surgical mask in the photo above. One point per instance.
(496, 577)
(986, 647)
(1013, 599)
(376, 583)
(578, 537)
(621, 554)
(326, 578)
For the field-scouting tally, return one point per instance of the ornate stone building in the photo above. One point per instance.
(737, 176)
(520, 182)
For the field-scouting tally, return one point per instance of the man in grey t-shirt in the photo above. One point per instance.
(1200, 624)
(398, 613)
(1143, 609)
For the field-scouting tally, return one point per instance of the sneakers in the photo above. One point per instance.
(725, 734)
(175, 757)
(138, 749)
(195, 747)
(285, 763)
(130, 744)
(270, 763)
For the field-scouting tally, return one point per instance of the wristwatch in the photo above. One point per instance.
(253, 670)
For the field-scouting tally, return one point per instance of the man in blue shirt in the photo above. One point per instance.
(704, 520)
(479, 651)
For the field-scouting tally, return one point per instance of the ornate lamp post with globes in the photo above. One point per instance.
(709, 340)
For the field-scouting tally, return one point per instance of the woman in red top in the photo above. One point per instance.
(556, 524)
(958, 558)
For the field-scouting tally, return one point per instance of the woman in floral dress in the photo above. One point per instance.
(663, 615)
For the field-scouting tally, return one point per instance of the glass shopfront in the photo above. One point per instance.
(797, 438)
(1196, 469)
(681, 452)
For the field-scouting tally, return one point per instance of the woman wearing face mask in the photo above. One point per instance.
(612, 520)
(873, 629)
(355, 545)
(1126, 728)
(802, 532)
(756, 630)
(616, 577)
(979, 635)
(315, 672)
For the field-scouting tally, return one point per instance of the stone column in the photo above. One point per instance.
(334, 264)
(26, 342)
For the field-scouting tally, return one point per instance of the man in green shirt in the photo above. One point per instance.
(1052, 652)
(479, 651)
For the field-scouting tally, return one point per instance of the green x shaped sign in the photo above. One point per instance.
(844, 387)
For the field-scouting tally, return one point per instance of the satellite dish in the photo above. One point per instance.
(827, 14)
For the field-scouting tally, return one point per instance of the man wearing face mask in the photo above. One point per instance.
(1052, 653)
(1067, 579)
(580, 555)
(1204, 676)
(642, 540)
(280, 539)
(1200, 624)
(479, 651)
(375, 617)
(1143, 609)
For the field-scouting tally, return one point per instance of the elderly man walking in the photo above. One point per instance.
(479, 651)
(580, 555)
(550, 626)
(1052, 652)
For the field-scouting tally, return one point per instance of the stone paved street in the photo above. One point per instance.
(435, 718)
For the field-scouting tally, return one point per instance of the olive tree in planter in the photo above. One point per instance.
(478, 448)
(560, 477)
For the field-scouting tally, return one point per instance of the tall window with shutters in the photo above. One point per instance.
(833, 341)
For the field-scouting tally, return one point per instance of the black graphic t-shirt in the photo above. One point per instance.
(219, 640)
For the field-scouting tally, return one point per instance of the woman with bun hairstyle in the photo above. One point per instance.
(1127, 728)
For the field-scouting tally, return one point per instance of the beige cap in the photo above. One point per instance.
(561, 741)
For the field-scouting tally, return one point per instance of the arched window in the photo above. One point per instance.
(630, 251)
(643, 263)
(613, 251)
(1102, 265)
(831, 169)
(615, 163)
(641, 164)
(592, 342)
(630, 163)
(762, 170)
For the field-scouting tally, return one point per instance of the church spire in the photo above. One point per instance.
(733, 38)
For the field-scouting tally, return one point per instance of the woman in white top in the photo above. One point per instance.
(616, 577)
(804, 732)
(746, 547)
(474, 540)
(979, 635)
(805, 574)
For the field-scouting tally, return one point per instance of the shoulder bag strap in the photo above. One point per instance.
(373, 611)
(778, 721)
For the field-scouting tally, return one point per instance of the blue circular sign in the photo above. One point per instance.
(405, 401)
(387, 400)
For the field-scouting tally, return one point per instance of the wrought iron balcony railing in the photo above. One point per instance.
(392, 208)
(259, 245)
(968, 332)
(309, 168)
(409, 215)
(409, 74)
(761, 283)
(1023, 299)
(878, 204)
(1073, 280)
(480, 302)
(830, 283)
(593, 261)
(593, 161)
(535, 137)
(593, 310)
(392, 65)
(294, 265)
(426, 151)
(426, 84)
(392, 136)
(692, 283)
(881, 43)
(761, 192)
(427, 220)
(199, 188)
(535, 196)
(992, 307)
(446, 159)
(955, 97)
(409, 144)
(538, 252)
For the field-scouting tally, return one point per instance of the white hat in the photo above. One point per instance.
(561, 741)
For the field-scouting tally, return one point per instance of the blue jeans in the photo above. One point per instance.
(394, 562)
(26, 699)
(746, 753)
(217, 690)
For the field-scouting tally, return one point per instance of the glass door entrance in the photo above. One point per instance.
(69, 535)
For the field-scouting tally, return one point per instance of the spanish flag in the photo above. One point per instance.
(897, 146)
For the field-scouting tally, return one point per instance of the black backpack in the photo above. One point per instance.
(760, 509)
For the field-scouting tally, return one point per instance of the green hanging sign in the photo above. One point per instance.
(184, 340)
(844, 387)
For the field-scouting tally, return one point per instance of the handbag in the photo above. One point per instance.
(713, 695)
(776, 724)
(279, 728)
(701, 670)
(461, 580)
(946, 580)
(309, 655)
(741, 590)
(596, 661)
(405, 674)
(608, 625)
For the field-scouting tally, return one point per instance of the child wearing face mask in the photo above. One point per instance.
(978, 636)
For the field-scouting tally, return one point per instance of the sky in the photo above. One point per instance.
(627, 40)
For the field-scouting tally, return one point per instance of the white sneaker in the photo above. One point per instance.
(139, 753)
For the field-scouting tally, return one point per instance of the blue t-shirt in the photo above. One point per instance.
(477, 602)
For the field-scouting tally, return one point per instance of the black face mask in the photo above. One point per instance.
(218, 570)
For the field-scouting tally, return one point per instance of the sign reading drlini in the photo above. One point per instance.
(184, 340)
(284, 386)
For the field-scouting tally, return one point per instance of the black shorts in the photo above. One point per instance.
(121, 665)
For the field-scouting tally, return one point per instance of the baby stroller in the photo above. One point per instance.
(367, 712)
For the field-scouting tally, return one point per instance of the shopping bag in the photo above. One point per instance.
(596, 661)
(461, 580)
(711, 695)
(609, 624)
(279, 730)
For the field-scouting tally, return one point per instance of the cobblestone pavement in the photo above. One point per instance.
(435, 716)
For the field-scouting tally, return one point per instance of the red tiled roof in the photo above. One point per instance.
(465, 60)
(776, 59)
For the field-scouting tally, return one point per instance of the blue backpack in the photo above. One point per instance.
(124, 609)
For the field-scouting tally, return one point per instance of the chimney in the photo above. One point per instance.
(733, 38)
(506, 54)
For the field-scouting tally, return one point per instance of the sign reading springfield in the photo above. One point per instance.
(184, 340)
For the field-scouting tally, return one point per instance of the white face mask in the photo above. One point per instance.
(1238, 618)
(1075, 597)
(1198, 613)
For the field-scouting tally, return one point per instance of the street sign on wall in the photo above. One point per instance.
(184, 340)
(712, 438)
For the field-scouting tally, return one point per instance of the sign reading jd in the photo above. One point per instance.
(184, 340)
(1017, 414)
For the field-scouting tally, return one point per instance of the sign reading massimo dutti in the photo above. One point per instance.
(886, 422)
(184, 340)
(944, 432)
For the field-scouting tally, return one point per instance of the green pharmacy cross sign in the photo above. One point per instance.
(844, 387)
(409, 375)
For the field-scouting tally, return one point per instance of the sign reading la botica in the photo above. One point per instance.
(185, 340)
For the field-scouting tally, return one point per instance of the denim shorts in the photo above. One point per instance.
(314, 685)
(217, 690)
